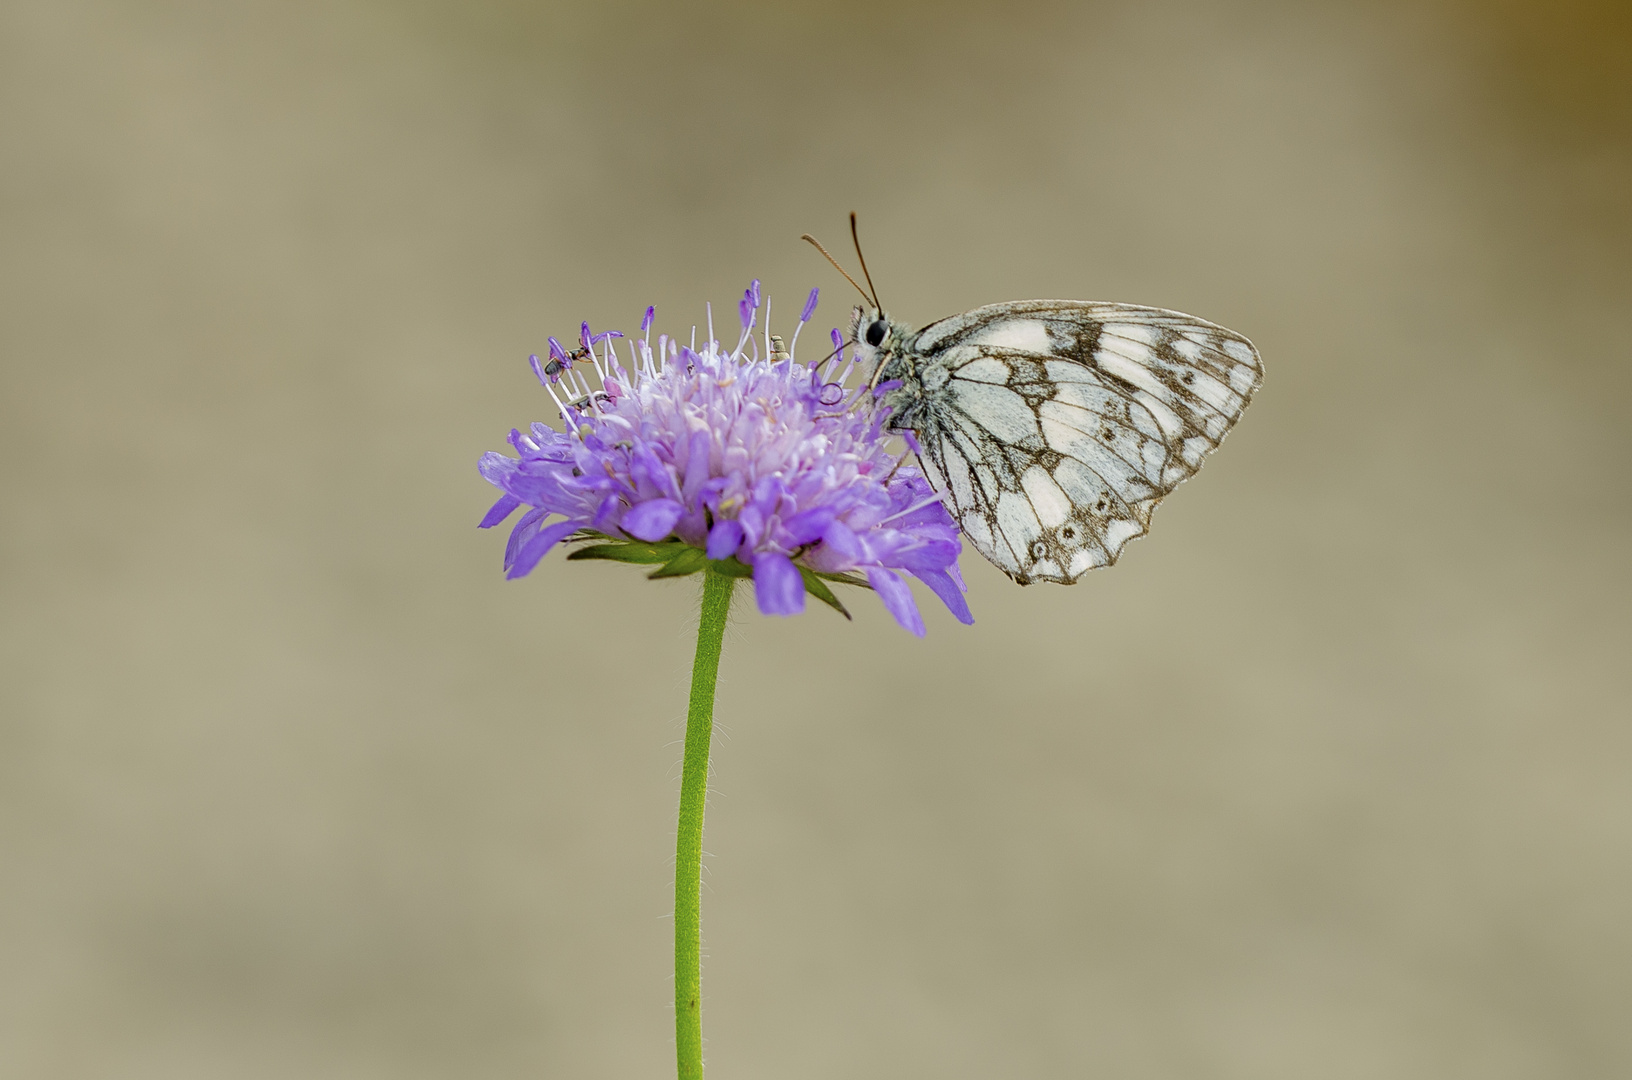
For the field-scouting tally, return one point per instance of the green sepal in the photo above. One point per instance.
(633, 552)
(842, 579)
(732, 567)
(688, 561)
(674, 558)
(815, 587)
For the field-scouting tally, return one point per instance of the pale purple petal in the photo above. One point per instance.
(932, 555)
(942, 585)
(646, 322)
(807, 526)
(810, 307)
(724, 539)
(777, 584)
(541, 488)
(499, 511)
(649, 473)
(897, 599)
(652, 520)
(523, 531)
(843, 541)
(934, 513)
(536, 548)
(752, 521)
(696, 466)
(606, 514)
(496, 468)
(745, 310)
(538, 369)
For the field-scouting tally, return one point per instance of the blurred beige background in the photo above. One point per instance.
(1328, 778)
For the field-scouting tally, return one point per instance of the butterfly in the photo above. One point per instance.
(1052, 428)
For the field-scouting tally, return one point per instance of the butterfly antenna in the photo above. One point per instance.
(857, 240)
(835, 262)
(832, 354)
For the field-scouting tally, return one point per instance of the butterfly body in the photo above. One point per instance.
(1054, 427)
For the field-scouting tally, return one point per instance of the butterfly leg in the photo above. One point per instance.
(902, 460)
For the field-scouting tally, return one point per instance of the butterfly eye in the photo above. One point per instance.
(876, 332)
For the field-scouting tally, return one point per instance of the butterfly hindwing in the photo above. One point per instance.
(1055, 426)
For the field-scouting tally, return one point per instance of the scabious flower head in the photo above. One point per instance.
(768, 467)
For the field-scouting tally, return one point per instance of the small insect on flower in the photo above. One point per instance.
(742, 458)
(1054, 427)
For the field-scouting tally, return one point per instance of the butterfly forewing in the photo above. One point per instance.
(1055, 426)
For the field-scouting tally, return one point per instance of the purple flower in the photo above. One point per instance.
(754, 461)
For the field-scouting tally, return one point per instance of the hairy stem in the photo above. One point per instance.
(688, 847)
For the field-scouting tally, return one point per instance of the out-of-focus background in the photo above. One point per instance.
(1330, 777)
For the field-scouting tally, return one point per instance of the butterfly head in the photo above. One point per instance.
(874, 331)
(877, 329)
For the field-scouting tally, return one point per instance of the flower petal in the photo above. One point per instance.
(807, 526)
(697, 453)
(752, 522)
(499, 511)
(523, 532)
(777, 584)
(496, 468)
(843, 542)
(932, 555)
(652, 520)
(897, 599)
(724, 539)
(942, 585)
(536, 548)
(605, 514)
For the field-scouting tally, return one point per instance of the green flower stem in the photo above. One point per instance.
(688, 847)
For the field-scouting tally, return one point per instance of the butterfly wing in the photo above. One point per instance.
(1056, 426)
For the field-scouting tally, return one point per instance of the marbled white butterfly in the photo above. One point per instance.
(1054, 427)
